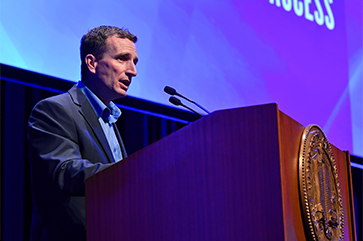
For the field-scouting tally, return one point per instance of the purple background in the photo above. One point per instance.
(222, 54)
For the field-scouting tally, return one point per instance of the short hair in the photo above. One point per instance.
(94, 42)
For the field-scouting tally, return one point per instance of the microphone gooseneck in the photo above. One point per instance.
(176, 101)
(172, 91)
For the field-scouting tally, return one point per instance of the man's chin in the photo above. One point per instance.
(121, 94)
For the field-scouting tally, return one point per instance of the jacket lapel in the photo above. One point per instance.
(123, 149)
(86, 110)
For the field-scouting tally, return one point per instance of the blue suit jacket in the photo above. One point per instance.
(67, 145)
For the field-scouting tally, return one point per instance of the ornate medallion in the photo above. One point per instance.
(320, 196)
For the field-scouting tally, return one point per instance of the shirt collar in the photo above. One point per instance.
(109, 113)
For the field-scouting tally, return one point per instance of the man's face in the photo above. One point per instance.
(116, 68)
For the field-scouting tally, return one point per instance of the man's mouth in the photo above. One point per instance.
(125, 83)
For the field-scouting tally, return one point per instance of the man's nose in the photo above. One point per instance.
(131, 69)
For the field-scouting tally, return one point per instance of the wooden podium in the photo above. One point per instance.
(231, 175)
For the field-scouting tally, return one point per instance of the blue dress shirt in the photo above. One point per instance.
(107, 115)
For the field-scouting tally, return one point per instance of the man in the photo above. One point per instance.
(73, 136)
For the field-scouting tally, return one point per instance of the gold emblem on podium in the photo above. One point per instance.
(320, 196)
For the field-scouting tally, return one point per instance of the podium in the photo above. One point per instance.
(231, 175)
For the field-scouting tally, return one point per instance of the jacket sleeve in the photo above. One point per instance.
(56, 155)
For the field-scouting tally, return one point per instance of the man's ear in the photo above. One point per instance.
(91, 63)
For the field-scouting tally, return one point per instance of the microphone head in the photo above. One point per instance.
(175, 100)
(170, 90)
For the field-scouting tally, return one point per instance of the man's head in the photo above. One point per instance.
(108, 56)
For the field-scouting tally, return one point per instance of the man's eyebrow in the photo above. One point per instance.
(122, 54)
(127, 54)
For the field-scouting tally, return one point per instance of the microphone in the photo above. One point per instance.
(176, 101)
(172, 91)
